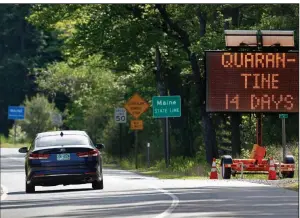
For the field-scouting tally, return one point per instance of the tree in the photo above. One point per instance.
(22, 48)
(38, 112)
(165, 44)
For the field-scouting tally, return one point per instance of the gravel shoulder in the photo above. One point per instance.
(283, 183)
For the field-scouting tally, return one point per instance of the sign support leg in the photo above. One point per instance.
(167, 142)
(120, 138)
(283, 138)
(136, 149)
(148, 155)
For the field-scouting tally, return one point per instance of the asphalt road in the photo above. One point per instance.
(127, 194)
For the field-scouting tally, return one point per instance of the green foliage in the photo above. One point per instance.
(3, 139)
(37, 116)
(109, 54)
(23, 47)
(245, 153)
(178, 166)
(21, 136)
(127, 164)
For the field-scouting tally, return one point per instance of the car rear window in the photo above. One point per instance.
(58, 140)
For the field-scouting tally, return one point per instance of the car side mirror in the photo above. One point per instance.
(23, 150)
(100, 146)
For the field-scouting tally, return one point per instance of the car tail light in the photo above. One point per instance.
(38, 156)
(92, 153)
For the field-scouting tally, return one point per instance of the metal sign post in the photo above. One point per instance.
(283, 117)
(120, 117)
(283, 138)
(165, 107)
(136, 148)
(148, 154)
(167, 143)
(136, 106)
(136, 125)
(120, 145)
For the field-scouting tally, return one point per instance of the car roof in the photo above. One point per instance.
(65, 132)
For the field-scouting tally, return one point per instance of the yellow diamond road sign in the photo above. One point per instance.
(136, 106)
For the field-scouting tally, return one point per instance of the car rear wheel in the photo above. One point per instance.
(29, 188)
(97, 184)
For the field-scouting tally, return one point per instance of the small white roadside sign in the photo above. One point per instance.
(120, 115)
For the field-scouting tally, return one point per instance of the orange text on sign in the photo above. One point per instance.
(255, 60)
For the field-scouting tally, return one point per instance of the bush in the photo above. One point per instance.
(3, 139)
(38, 111)
(108, 159)
(127, 164)
(183, 166)
(21, 136)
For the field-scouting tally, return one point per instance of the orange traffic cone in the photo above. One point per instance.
(213, 172)
(272, 171)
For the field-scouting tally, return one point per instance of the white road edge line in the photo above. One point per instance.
(4, 195)
(175, 202)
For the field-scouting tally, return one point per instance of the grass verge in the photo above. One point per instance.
(157, 172)
(167, 175)
(8, 145)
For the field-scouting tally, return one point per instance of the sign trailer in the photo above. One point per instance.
(253, 82)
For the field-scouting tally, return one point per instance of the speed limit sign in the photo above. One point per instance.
(120, 115)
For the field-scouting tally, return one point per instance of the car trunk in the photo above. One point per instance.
(62, 156)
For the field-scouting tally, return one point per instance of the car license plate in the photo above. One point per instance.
(63, 156)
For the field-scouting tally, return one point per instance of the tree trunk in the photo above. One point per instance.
(235, 14)
(162, 90)
(181, 123)
(207, 124)
(209, 136)
(235, 135)
(235, 117)
(160, 84)
(183, 37)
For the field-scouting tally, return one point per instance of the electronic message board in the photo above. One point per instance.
(252, 81)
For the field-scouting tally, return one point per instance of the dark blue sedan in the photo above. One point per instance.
(63, 158)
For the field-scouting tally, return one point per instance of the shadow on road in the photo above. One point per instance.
(51, 191)
(194, 202)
